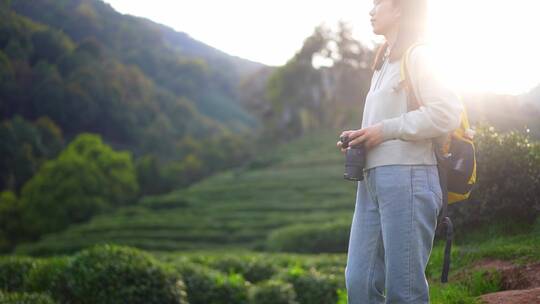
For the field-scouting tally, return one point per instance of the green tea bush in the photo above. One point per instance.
(50, 276)
(508, 174)
(311, 286)
(311, 238)
(252, 269)
(13, 272)
(117, 274)
(205, 285)
(25, 298)
(273, 292)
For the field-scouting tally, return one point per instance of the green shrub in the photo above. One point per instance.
(342, 296)
(87, 178)
(273, 292)
(12, 229)
(118, 274)
(50, 276)
(13, 272)
(206, 285)
(25, 298)
(311, 238)
(508, 172)
(311, 286)
(252, 269)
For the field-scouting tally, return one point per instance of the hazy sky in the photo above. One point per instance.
(482, 44)
(265, 31)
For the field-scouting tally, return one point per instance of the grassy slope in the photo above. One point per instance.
(238, 208)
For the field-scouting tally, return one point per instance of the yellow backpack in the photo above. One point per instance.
(456, 160)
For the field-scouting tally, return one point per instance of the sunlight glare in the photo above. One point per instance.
(487, 45)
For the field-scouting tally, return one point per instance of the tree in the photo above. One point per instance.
(25, 146)
(88, 177)
(49, 45)
(303, 97)
(11, 228)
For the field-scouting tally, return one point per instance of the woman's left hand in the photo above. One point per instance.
(371, 136)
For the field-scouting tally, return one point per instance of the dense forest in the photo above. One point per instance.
(82, 67)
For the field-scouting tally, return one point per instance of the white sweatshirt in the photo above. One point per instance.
(407, 135)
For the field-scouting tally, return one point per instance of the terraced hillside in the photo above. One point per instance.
(296, 183)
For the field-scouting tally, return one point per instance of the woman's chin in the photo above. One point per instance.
(376, 31)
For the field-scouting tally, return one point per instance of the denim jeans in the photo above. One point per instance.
(391, 235)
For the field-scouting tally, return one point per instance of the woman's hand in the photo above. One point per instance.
(344, 133)
(370, 136)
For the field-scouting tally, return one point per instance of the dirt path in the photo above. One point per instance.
(522, 296)
(521, 283)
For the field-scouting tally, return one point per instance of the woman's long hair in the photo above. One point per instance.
(412, 24)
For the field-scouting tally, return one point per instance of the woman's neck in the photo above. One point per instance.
(391, 36)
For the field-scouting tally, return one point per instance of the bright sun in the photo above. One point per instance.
(487, 45)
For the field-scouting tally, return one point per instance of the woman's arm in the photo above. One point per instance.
(441, 109)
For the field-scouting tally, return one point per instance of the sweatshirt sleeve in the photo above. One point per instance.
(441, 108)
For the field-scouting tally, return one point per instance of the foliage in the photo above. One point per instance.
(115, 274)
(13, 272)
(161, 202)
(273, 291)
(254, 270)
(313, 238)
(298, 278)
(25, 298)
(86, 178)
(205, 285)
(11, 226)
(88, 69)
(207, 79)
(311, 286)
(508, 174)
(303, 96)
(50, 276)
(25, 146)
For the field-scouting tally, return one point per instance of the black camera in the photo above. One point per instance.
(355, 160)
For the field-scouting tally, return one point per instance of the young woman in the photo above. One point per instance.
(398, 200)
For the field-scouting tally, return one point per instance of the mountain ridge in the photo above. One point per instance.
(212, 83)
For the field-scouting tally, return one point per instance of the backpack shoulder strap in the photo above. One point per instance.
(405, 81)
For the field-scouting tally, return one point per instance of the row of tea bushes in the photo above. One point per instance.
(25, 298)
(118, 274)
(102, 274)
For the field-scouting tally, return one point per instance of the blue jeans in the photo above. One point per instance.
(392, 233)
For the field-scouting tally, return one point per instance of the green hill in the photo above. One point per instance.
(174, 61)
(72, 67)
(296, 183)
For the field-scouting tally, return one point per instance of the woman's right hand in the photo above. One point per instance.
(340, 144)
